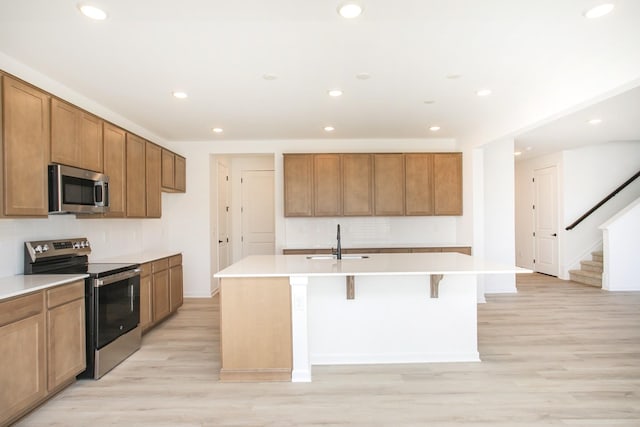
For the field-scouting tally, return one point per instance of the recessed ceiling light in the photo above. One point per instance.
(483, 92)
(350, 10)
(269, 76)
(363, 76)
(434, 128)
(517, 153)
(335, 92)
(92, 12)
(453, 76)
(594, 121)
(529, 148)
(598, 11)
(180, 95)
(429, 101)
(329, 128)
(217, 130)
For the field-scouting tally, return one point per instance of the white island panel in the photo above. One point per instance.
(392, 320)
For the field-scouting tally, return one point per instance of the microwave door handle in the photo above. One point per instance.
(105, 193)
(98, 194)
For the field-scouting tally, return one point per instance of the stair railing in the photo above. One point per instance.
(603, 201)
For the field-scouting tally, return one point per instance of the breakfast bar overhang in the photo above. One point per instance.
(282, 314)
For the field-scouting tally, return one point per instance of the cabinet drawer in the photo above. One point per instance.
(175, 260)
(159, 265)
(145, 269)
(20, 308)
(65, 293)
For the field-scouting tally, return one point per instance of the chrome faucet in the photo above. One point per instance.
(338, 251)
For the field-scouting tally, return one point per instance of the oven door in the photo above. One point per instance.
(117, 306)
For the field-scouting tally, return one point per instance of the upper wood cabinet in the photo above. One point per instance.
(447, 183)
(357, 185)
(24, 149)
(136, 177)
(327, 185)
(76, 137)
(173, 172)
(382, 184)
(298, 185)
(115, 161)
(168, 170)
(389, 184)
(418, 183)
(153, 180)
(180, 174)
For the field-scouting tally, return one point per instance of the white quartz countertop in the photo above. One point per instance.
(139, 257)
(383, 246)
(373, 265)
(23, 284)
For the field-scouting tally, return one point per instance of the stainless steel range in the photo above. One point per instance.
(112, 295)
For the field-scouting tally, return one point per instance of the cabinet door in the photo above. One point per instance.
(447, 183)
(418, 183)
(115, 153)
(65, 148)
(357, 192)
(146, 298)
(24, 150)
(153, 180)
(161, 296)
(181, 174)
(168, 169)
(388, 175)
(66, 337)
(176, 288)
(327, 185)
(22, 371)
(298, 181)
(136, 186)
(90, 141)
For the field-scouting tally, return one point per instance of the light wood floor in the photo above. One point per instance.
(557, 353)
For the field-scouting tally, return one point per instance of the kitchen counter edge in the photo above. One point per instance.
(14, 286)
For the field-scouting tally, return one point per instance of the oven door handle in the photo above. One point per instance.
(112, 278)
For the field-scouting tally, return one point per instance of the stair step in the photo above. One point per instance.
(595, 266)
(591, 278)
(597, 256)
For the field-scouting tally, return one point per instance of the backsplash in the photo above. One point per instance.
(370, 231)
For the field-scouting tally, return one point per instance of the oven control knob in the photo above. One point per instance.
(45, 248)
(76, 245)
(38, 249)
(82, 244)
(86, 242)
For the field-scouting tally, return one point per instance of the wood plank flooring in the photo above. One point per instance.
(557, 353)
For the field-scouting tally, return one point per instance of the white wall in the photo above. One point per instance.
(585, 176)
(498, 213)
(621, 244)
(590, 174)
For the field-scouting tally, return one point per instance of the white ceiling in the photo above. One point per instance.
(541, 59)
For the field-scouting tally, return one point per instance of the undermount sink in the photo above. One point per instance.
(334, 257)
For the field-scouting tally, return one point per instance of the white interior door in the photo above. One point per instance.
(545, 184)
(258, 213)
(223, 216)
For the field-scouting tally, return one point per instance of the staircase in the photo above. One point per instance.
(590, 272)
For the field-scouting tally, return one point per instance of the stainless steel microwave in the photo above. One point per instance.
(73, 190)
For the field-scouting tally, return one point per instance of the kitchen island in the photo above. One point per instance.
(281, 314)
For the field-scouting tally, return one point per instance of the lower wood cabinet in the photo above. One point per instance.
(255, 329)
(42, 343)
(161, 290)
(65, 334)
(146, 297)
(176, 291)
